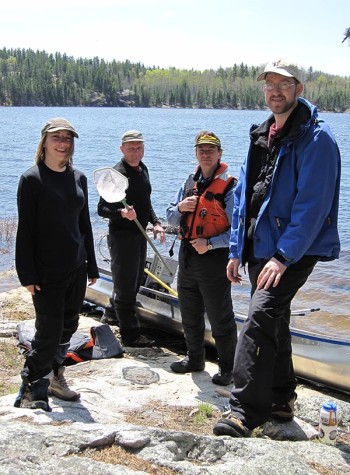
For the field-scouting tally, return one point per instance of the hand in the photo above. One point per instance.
(200, 245)
(271, 274)
(129, 213)
(232, 271)
(188, 204)
(158, 229)
(92, 281)
(32, 288)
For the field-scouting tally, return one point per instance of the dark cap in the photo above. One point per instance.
(282, 67)
(54, 125)
(132, 136)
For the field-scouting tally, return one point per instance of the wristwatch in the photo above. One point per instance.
(209, 245)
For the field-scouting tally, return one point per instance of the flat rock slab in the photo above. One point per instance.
(34, 442)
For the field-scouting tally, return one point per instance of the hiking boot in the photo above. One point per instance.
(187, 366)
(140, 342)
(231, 426)
(34, 395)
(110, 320)
(223, 378)
(59, 387)
(283, 412)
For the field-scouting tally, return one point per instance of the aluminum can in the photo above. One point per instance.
(328, 428)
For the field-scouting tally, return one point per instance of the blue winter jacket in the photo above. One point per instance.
(300, 210)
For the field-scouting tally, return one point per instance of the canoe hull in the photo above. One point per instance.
(316, 358)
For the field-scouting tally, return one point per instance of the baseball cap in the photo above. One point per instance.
(207, 139)
(132, 136)
(282, 67)
(56, 124)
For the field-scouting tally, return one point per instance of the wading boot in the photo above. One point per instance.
(283, 412)
(188, 365)
(223, 378)
(232, 426)
(33, 395)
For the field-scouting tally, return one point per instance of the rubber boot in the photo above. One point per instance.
(225, 347)
(190, 364)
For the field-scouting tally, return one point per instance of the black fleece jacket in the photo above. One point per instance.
(54, 235)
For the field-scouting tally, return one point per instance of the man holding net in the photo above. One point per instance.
(127, 245)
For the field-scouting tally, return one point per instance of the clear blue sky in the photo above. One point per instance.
(197, 34)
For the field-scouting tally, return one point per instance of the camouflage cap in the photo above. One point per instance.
(132, 136)
(207, 139)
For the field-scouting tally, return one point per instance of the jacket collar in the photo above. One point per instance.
(294, 127)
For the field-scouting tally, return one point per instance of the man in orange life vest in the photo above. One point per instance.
(202, 208)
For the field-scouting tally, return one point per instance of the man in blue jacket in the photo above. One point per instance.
(284, 221)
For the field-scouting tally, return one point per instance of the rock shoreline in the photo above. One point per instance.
(36, 442)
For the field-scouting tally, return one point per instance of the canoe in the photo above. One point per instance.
(316, 357)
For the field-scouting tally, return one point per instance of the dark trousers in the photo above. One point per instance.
(128, 259)
(203, 286)
(57, 306)
(263, 367)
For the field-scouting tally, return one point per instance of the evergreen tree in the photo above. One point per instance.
(35, 78)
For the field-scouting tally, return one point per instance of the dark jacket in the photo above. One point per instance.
(54, 234)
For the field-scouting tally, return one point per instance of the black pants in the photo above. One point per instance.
(203, 286)
(263, 368)
(57, 306)
(128, 258)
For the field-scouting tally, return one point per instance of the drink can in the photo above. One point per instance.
(328, 428)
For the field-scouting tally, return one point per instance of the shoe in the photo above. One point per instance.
(140, 342)
(223, 379)
(283, 412)
(231, 426)
(187, 366)
(59, 387)
(110, 320)
(34, 395)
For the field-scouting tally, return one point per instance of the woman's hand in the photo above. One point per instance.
(32, 288)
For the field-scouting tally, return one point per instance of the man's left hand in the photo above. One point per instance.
(271, 274)
(158, 229)
(200, 245)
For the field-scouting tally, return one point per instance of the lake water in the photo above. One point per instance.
(169, 155)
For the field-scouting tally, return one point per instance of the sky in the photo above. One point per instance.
(185, 34)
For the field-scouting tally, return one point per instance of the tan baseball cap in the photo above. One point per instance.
(56, 124)
(282, 67)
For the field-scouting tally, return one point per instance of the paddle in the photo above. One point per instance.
(303, 312)
(111, 185)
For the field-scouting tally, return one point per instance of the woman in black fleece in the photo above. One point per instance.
(54, 257)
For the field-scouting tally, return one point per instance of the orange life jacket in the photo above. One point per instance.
(209, 218)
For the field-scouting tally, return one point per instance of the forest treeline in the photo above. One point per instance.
(36, 78)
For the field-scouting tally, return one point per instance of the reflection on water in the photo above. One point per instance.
(337, 326)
